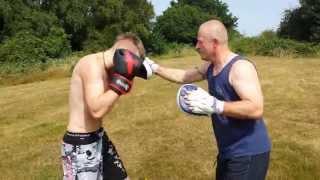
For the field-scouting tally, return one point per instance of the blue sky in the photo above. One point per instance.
(254, 16)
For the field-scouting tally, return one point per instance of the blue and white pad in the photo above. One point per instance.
(181, 101)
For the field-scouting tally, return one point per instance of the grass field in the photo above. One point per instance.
(155, 140)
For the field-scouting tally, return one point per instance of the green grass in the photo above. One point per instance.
(154, 139)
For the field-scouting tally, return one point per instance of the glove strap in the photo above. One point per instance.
(219, 106)
(154, 66)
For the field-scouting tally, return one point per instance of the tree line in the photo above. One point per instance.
(34, 32)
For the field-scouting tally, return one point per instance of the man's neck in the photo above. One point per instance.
(222, 58)
(107, 57)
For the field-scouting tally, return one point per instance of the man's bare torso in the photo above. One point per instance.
(80, 119)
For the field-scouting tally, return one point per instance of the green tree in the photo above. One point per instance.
(302, 23)
(29, 35)
(119, 16)
(215, 8)
(180, 22)
(75, 17)
(47, 29)
(95, 23)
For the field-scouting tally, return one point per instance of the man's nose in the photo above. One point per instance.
(197, 46)
(194, 41)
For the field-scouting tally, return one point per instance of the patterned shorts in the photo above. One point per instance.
(90, 156)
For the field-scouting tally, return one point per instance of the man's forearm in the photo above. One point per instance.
(171, 74)
(103, 104)
(244, 109)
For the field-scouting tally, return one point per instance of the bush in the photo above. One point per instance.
(158, 44)
(26, 51)
(284, 47)
(22, 51)
(244, 45)
(100, 40)
(273, 46)
(56, 44)
(180, 23)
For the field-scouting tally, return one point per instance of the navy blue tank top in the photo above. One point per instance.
(235, 137)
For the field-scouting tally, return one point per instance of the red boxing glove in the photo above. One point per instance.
(130, 65)
(126, 63)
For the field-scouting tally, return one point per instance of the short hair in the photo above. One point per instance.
(216, 29)
(135, 40)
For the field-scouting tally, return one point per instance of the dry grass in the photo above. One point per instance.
(55, 69)
(155, 140)
(35, 76)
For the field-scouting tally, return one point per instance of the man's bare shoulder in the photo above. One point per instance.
(88, 60)
(243, 66)
(242, 70)
(88, 65)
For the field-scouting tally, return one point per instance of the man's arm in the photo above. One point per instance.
(182, 76)
(98, 101)
(244, 79)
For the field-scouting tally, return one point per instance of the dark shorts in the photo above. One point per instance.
(90, 156)
(243, 168)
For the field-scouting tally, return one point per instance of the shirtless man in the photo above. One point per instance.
(234, 103)
(97, 82)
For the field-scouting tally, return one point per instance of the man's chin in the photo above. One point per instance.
(204, 59)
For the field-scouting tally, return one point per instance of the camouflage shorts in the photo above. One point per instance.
(90, 156)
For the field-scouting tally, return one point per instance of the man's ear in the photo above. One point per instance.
(215, 42)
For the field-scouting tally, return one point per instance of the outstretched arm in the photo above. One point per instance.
(180, 75)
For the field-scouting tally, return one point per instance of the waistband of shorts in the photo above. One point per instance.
(83, 138)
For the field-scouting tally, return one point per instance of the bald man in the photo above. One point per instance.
(234, 102)
(97, 82)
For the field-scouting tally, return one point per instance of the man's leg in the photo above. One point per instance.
(259, 166)
(81, 156)
(69, 169)
(113, 168)
(243, 168)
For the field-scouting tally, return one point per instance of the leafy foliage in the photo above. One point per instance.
(180, 22)
(302, 23)
(267, 44)
(33, 32)
(95, 23)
